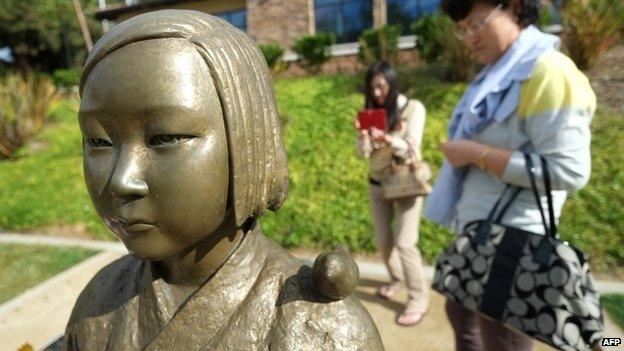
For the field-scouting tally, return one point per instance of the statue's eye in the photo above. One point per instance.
(168, 139)
(98, 142)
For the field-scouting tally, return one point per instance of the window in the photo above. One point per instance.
(236, 18)
(406, 12)
(345, 18)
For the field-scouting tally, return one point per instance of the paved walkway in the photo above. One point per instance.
(39, 316)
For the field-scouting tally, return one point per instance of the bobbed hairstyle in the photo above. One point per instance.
(526, 10)
(258, 167)
(386, 70)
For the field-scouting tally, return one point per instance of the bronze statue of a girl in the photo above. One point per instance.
(182, 155)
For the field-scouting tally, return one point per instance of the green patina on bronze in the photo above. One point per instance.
(182, 155)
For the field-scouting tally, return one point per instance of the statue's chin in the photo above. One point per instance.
(149, 246)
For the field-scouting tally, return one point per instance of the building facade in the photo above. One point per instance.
(284, 21)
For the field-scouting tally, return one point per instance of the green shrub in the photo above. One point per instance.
(273, 54)
(313, 50)
(24, 104)
(426, 33)
(546, 17)
(439, 46)
(590, 28)
(379, 44)
(66, 77)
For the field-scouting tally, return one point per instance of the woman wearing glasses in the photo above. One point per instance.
(529, 98)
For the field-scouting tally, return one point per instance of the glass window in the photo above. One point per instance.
(236, 18)
(406, 12)
(345, 18)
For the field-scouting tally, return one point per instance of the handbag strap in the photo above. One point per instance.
(483, 231)
(551, 208)
(513, 196)
(549, 230)
(505, 207)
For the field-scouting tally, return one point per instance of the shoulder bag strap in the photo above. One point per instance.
(514, 194)
(483, 230)
(530, 167)
(547, 186)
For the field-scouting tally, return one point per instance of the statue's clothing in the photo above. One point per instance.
(262, 298)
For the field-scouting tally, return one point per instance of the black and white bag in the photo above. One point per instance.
(536, 284)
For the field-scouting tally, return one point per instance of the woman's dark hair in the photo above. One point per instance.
(526, 10)
(385, 69)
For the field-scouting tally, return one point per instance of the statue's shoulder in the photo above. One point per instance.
(307, 320)
(317, 313)
(108, 289)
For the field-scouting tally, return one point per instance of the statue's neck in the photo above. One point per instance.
(194, 268)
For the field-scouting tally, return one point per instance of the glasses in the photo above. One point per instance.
(471, 31)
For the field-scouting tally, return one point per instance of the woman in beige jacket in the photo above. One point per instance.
(406, 120)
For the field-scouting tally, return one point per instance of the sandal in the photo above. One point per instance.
(388, 290)
(410, 317)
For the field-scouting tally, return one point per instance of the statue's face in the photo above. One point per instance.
(155, 147)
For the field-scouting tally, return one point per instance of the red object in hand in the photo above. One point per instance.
(373, 117)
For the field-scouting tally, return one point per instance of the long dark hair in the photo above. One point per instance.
(385, 69)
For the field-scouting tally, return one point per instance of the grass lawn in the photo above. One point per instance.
(26, 266)
(328, 202)
(44, 186)
(614, 304)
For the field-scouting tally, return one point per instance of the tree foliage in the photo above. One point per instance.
(44, 34)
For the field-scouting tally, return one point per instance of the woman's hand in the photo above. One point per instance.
(362, 133)
(380, 136)
(462, 152)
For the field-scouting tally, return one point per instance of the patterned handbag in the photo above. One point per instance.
(407, 179)
(536, 284)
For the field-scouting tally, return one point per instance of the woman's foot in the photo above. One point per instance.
(388, 290)
(410, 317)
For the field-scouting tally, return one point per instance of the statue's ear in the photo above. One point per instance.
(335, 273)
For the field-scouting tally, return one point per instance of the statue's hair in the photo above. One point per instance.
(258, 167)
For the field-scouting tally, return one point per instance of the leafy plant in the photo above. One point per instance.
(546, 17)
(426, 33)
(66, 77)
(313, 50)
(273, 54)
(24, 104)
(379, 44)
(438, 45)
(590, 28)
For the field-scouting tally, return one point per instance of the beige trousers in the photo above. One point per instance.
(398, 247)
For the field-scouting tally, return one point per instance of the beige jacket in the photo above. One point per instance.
(381, 154)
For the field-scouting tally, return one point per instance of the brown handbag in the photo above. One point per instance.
(407, 179)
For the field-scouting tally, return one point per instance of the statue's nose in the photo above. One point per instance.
(128, 180)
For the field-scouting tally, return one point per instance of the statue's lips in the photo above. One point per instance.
(138, 227)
